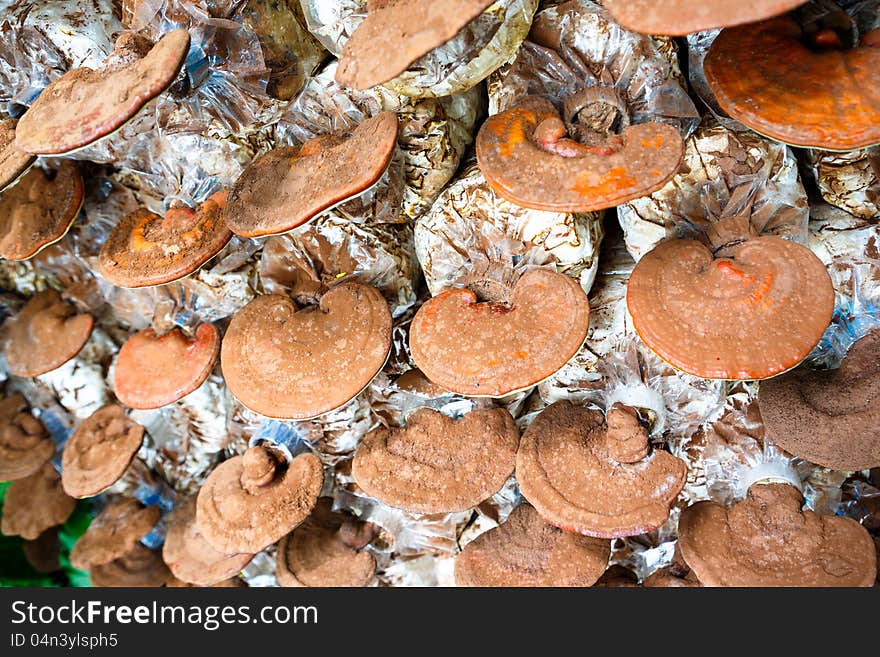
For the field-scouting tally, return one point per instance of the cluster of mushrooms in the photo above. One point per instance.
(337, 307)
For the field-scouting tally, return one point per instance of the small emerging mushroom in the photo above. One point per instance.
(526, 551)
(802, 87)
(156, 370)
(145, 249)
(251, 501)
(84, 105)
(190, 557)
(326, 550)
(514, 340)
(597, 476)
(768, 540)
(115, 531)
(740, 308)
(291, 185)
(396, 33)
(99, 451)
(681, 17)
(831, 418)
(45, 334)
(34, 504)
(13, 162)
(436, 464)
(39, 210)
(25, 444)
(287, 362)
(529, 158)
(140, 567)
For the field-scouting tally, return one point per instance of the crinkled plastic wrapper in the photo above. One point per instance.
(850, 180)
(578, 45)
(488, 42)
(470, 231)
(725, 174)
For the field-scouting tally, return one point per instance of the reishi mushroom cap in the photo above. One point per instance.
(145, 249)
(156, 370)
(490, 349)
(829, 417)
(99, 451)
(594, 475)
(527, 551)
(291, 185)
(13, 162)
(84, 105)
(285, 362)
(43, 553)
(754, 313)
(25, 444)
(527, 160)
(321, 552)
(39, 210)
(46, 333)
(190, 557)
(769, 79)
(437, 464)
(114, 533)
(681, 17)
(251, 501)
(396, 33)
(141, 567)
(35, 503)
(768, 540)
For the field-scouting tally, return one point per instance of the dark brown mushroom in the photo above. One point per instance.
(45, 334)
(13, 162)
(287, 362)
(156, 370)
(25, 444)
(594, 475)
(291, 185)
(84, 105)
(528, 158)
(39, 210)
(526, 551)
(99, 452)
(114, 533)
(492, 348)
(142, 567)
(768, 540)
(436, 464)
(34, 504)
(251, 501)
(44, 552)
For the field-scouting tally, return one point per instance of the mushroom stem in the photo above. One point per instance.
(552, 136)
(627, 438)
(259, 466)
(356, 534)
(597, 115)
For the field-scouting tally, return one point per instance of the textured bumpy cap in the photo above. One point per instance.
(114, 532)
(25, 444)
(35, 503)
(13, 162)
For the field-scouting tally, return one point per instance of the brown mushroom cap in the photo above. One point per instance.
(13, 162)
(39, 210)
(752, 314)
(829, 417)
(586, 476)
(396, 33)
(99, 452)
(25, 444)
(145, 249)
(510, 154)
(291, 185)
(436, 464)
(84, 105)
(34, 504)
(490, 349)
(317, 552)
(153, 371)
(43, 553)
(141, 567)
(285, 362)
(681, 17)
(45, 334)
(114, 533)
(190, 557)
(526, 551)
(767, 540)
(759, 74)
(251, 501)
